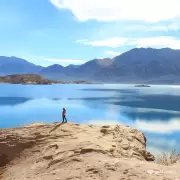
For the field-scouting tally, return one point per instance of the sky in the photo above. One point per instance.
(47, 32)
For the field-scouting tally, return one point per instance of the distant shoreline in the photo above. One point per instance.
(34, 79)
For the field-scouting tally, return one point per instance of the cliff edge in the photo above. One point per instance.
(71, 151)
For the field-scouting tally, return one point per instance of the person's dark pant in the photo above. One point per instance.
(64, 118)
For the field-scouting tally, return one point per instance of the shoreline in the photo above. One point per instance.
(35, 79)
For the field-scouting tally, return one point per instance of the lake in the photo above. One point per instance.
(155, 110)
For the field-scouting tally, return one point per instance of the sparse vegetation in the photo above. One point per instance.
(25, 79)
(168, 158)
(34, 79)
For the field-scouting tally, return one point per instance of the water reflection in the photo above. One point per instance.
(13, 100)
(155, 111)
(150, 114)
(164, 102)
(139, 98)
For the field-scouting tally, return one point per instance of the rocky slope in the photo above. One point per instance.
(71, 151)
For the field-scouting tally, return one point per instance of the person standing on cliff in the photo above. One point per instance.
(64, 115)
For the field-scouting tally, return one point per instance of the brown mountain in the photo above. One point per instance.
(25, 79)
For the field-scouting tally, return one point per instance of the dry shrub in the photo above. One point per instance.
(168, 158)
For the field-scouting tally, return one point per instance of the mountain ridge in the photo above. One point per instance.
(138, 65)
(15, 65)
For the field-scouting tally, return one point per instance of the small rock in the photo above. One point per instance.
(104, 131)
(105, 126)
(130, 138)
(125, 146)
(149, 156)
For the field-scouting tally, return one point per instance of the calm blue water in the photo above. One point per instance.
(155, 110)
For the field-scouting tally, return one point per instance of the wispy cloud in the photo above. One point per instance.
(152, 27)
(170, 27)
(110, 42)
(74, 61)
(146, 10)
(157, 42)
(153, 42)
(43, 60)
(112, 53)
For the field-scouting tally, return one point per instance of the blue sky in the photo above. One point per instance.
(66, 32)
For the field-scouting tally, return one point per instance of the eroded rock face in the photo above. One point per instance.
(128, 142)
(94, 152)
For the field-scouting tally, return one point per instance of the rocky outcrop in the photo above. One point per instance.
(72, 151)
(25, 79)
(34, 79)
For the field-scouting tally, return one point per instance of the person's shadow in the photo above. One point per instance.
(57, 126)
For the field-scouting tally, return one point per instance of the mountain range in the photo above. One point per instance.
(139, 65)
(15, 65)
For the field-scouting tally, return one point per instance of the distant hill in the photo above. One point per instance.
(139, 65)
(34, 79)
(25, 79)
(85, 71)
(14, 65)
